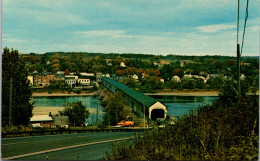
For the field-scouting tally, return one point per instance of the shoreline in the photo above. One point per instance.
(46, 94)
(173, 93)
(163, 93)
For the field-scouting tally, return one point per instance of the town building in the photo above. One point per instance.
(41, 121)
(71, 80)
(43, 79)
(176, 79)
(60, 122)
(30, 78)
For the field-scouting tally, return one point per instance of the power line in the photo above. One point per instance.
(237, 20)
(246, 16)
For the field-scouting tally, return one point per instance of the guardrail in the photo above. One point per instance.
(69, 131)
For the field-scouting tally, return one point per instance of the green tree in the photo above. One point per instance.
(13, 67)
(76, 112)
(114, 109)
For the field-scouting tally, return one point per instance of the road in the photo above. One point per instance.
(84, 146)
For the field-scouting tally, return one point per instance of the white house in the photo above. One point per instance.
(71, 80)
(176, 79)
(83, 81)
(135, 77)
(162, 80)
(41, 121)
(87, 74)
(30, 78)
(122, 64)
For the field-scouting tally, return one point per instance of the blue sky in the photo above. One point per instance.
(186, 27)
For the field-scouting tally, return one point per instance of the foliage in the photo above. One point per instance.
(76, 112)
(114, 109)
(151, 83)
(218, 132)
(13, 67)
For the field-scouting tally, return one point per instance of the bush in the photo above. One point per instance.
(217, 132)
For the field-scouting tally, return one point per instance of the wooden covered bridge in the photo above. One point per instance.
(138, 101)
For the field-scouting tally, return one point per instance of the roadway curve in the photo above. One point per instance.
(85, 146)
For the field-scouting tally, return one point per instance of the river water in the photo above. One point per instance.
(176, 105)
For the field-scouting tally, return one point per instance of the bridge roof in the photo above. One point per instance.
(140, 97)
(120, 86)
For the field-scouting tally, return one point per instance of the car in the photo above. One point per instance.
(125, 123)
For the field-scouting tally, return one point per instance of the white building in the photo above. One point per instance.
(176, 79)
(71, 80)
(122, 64)
(135, 77)
(84, 82)
(30, 78)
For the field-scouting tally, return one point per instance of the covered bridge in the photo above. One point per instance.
(138, 101)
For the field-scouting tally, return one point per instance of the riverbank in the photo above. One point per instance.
(187, 93)
(46, 94)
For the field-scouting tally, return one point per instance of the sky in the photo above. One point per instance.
(186, 27)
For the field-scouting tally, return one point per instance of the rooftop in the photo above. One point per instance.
(41, 118)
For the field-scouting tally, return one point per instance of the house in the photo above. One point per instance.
(60, 76)
(162, 80)
(71, 80)
(84, 81)
(41, 121)
(117, 78)
(30, 78)
(135, 77)
(61, 121)
(98, 76)
(122, 64)
(43, 79)
(176, 79)
(60, 72)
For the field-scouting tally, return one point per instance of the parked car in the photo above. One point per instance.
(126, 123)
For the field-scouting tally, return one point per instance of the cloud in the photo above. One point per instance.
(215, 28)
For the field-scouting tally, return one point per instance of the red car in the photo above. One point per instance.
(126, 123)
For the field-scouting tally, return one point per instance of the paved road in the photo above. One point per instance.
(85, 146)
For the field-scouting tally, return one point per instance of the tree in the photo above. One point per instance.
(114, 109)
(76, 112)
(13, 67)
(166, 72)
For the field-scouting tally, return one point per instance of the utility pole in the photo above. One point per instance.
(97, 109)
(238, 71)
(10, 106)
(238, 55)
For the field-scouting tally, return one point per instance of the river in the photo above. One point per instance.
(176, 105)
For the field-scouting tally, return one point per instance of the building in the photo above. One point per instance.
(60, 121)
(122, 64)
(30, 78)
(41, 121)
(99, 76)
(43, 79)
(176, 79)
(118, 78)
(71, 80)
(84, 81)
(135, 77)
